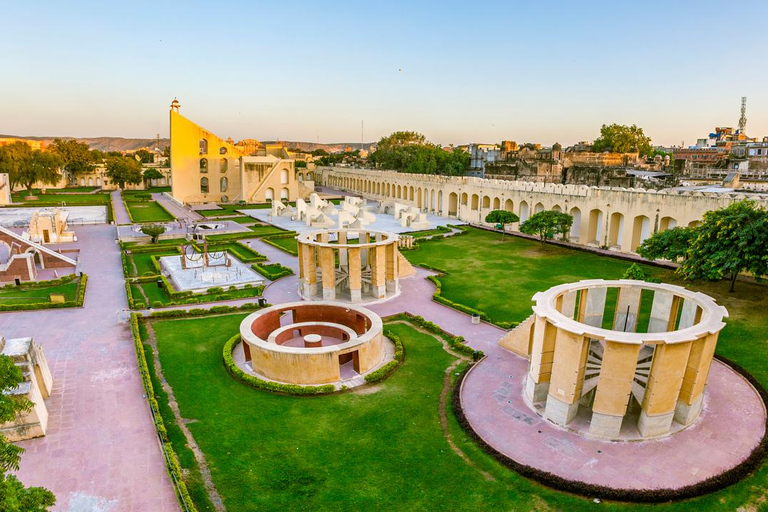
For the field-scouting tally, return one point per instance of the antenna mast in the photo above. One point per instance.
(743, 118)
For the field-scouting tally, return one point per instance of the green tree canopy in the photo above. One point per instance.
(13, 495)
(501, 217)
(153, 231)
(410, 152)
(621, 138)
(546, 224)
(730, 240)
(13, 158)
(124, 169)
(671, 244)
(152, 174)
(26, 167)
(146, 157)
(76, 156)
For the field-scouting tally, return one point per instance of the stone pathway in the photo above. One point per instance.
(101, 451)
(119, 211)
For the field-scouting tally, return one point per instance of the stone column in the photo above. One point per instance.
(691, 397)
(663, 390)
(342, 252)
(309, 264)
(626, 238)
(378, 271)
(391, 256)
(566, 304)
(362, 238)
(627, 307)
(614, 388)
(595, 306)
(540, 366)
(570, 360)
(328, 264)
(660, 311)
(355, 275)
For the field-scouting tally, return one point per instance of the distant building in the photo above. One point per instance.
(34, 144)
(480, 155)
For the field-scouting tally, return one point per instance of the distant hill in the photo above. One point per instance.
(123, 144)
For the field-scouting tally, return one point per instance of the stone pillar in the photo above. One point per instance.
(614, 388)
(660, 311)
(391, 257)
(342, 252)
(595, 306)
(566, 304)
(673, 311)
(627, 307)
(626, 238)
(691, 397)
(378, 271)
(362, 238)
(355, 275)
(328, 264)
(540, 366)
(570, 360)
(309, 264)
(663, 390)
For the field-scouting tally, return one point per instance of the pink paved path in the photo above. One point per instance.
(101, 452)
(118, 208)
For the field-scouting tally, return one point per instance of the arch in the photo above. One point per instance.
(475, 201)
(576, 226)
(464, 198)
(203, 146)
(439, 208)
(269, 194)
(90, 182)
(509, 205)
(419, 197)
(486, 202)
(667, 223)
(310, 177)
(284, 177)
(523, 211)
(410, 193)
(556, 208)
(223, 150)
(223, 165)
(640, 231)
(98, 182)
(203, 165)
(431, 201)
(82, 182)
(224, 199)
(538, 208)
(204, 188)
(496, 203)
(616, 230)
(453, 203)
(399, 192)
(595, 227)
(223, 184)
(694, 224)
(284, 194)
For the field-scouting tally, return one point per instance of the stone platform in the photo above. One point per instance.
(730, 427)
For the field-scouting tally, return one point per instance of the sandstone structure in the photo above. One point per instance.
(21, 259)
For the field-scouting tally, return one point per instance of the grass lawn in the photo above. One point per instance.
(288, 244)
(24, 295)
(156, 294)
(143, 262)
(79, 199)
(147, 211)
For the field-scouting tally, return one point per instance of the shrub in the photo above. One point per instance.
(386, 370)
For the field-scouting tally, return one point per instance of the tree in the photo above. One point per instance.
(621, 138)
(546, 224)
(12, 158)
(729, 241)
(76, 156)
(13, 495)
(122, 170)
(503, 218)
(411, 152)
(145, 156)
(151, 174)
(29, 167)
(671, 244)
(301, 164)
(153, 231)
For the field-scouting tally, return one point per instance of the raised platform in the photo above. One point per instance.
(199, 278)
(729, 429)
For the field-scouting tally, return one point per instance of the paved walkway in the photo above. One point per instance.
(176, 210)
(101, 452)
(118, 208)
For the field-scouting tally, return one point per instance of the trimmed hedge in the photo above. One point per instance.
(182, 313)
(275, 387)
(715, 483)
(214, 294)
(79, 296)
(455, 342)
(268, 240)
(389, 368)
(172, 462)
(273, 275)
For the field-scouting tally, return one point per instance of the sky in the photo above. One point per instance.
(458, 72)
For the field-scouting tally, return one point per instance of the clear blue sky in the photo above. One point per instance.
(456, 71)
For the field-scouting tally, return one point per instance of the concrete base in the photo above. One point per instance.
(536, 392)
(392, 286)
(605, 425)
(329, 293)
(380, 292)
(560, 412)
(355, 296)
(652, 426)
(686, 414)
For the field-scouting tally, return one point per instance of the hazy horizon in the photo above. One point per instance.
(493, 71)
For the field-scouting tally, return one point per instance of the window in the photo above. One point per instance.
(203, 146)
(223, 184)
(224, 199)
(204, 185)
(224, 165)
(203, 165)
(222, 150)
(284, 177)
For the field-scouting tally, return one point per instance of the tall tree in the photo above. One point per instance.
(621, 138)
(410, 152)
(37, 167)
(729, 241)
(12, 158)
(502, 218)
(146, 157)
(76, 156)
(151, 174)
(124, 169)
(671, 244)
(546, 224)
(13, 495)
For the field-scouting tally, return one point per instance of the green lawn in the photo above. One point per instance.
(143, 262)
(79, 199)
(27, 295)
(147, 211)
(286, 243)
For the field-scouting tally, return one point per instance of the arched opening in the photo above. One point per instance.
(464, 199)
(595, 228)
(439, 208)
(576, 226)
(223, 184)
(410, 193)
(98, 182)
(284, 194)
(640, 231)
(90, 182)
(284, 177)
(222, 150)
(556, 208)
(538, 208)
(204, 188)
(310, 177)
(616, 231)
(475, 201)
(419, 197)
(496, 203)
(667, 223)
(523, 211)
(203, 146)
(694, 224)
(453, 206)
(203, 165)
(486, 202)
(509, 205)
(223, 165)
(269, 194)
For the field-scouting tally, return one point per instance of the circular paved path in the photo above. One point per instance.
(729, 429)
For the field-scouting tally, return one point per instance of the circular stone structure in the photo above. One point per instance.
(313, 343)
(358, 265)
(617, 394)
